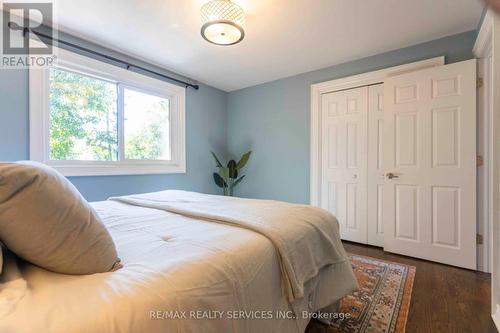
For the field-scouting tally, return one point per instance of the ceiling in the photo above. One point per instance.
(283, 37)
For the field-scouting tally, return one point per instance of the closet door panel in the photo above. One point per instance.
(430, 164)
(344, 160)
(375, 165)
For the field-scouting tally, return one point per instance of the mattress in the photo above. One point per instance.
(180, 274)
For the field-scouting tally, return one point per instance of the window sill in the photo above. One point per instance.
(96, 169)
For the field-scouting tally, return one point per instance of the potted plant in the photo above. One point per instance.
(227, 177)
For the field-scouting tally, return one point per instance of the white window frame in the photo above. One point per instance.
(39, 108)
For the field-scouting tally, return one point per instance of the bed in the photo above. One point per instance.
(181, 273)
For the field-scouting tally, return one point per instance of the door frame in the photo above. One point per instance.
(344, 83)
(487, 47)
(487, 193)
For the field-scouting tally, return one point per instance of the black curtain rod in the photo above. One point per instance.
(25, 30)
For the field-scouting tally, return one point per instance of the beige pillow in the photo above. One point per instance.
(46, 221)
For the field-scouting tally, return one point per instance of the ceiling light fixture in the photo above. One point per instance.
(222, 22)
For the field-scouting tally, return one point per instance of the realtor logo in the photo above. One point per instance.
(22, 46)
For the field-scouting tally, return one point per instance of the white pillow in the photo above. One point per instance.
(46, 221)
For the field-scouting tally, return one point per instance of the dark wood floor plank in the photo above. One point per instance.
(445, 299)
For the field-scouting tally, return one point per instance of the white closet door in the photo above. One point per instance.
(344, 162)
(429, 205)
(376, 177)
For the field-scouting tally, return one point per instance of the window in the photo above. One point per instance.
(91, 118)
(83, 117)
(146, 128)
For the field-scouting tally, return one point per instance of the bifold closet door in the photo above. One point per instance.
(376, 179)
(344, 160)
(429, 206)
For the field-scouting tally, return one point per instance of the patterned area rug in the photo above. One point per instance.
(380, 305)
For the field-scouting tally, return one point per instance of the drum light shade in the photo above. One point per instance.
(222, 22)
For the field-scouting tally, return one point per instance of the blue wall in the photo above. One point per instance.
(205, 130)
(272, 119)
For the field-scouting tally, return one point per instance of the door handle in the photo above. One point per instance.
(391, 175)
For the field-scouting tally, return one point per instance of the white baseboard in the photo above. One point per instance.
(496, 317)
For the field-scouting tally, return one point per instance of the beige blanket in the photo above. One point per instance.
(301, 254)
(173, 264)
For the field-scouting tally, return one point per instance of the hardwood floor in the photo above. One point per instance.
(445, 298)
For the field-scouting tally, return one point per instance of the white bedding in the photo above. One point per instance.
(306, 238)
(173, 266)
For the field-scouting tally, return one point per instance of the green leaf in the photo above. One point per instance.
(238, 181)
(243, 161)
(219, 181)
(233, 171)
(224, 172)
(219, 164)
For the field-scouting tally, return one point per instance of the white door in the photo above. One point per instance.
(376, 177)
(344, 162)
(429, 205)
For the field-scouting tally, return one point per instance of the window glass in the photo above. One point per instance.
(83, 117)
(146, 126)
